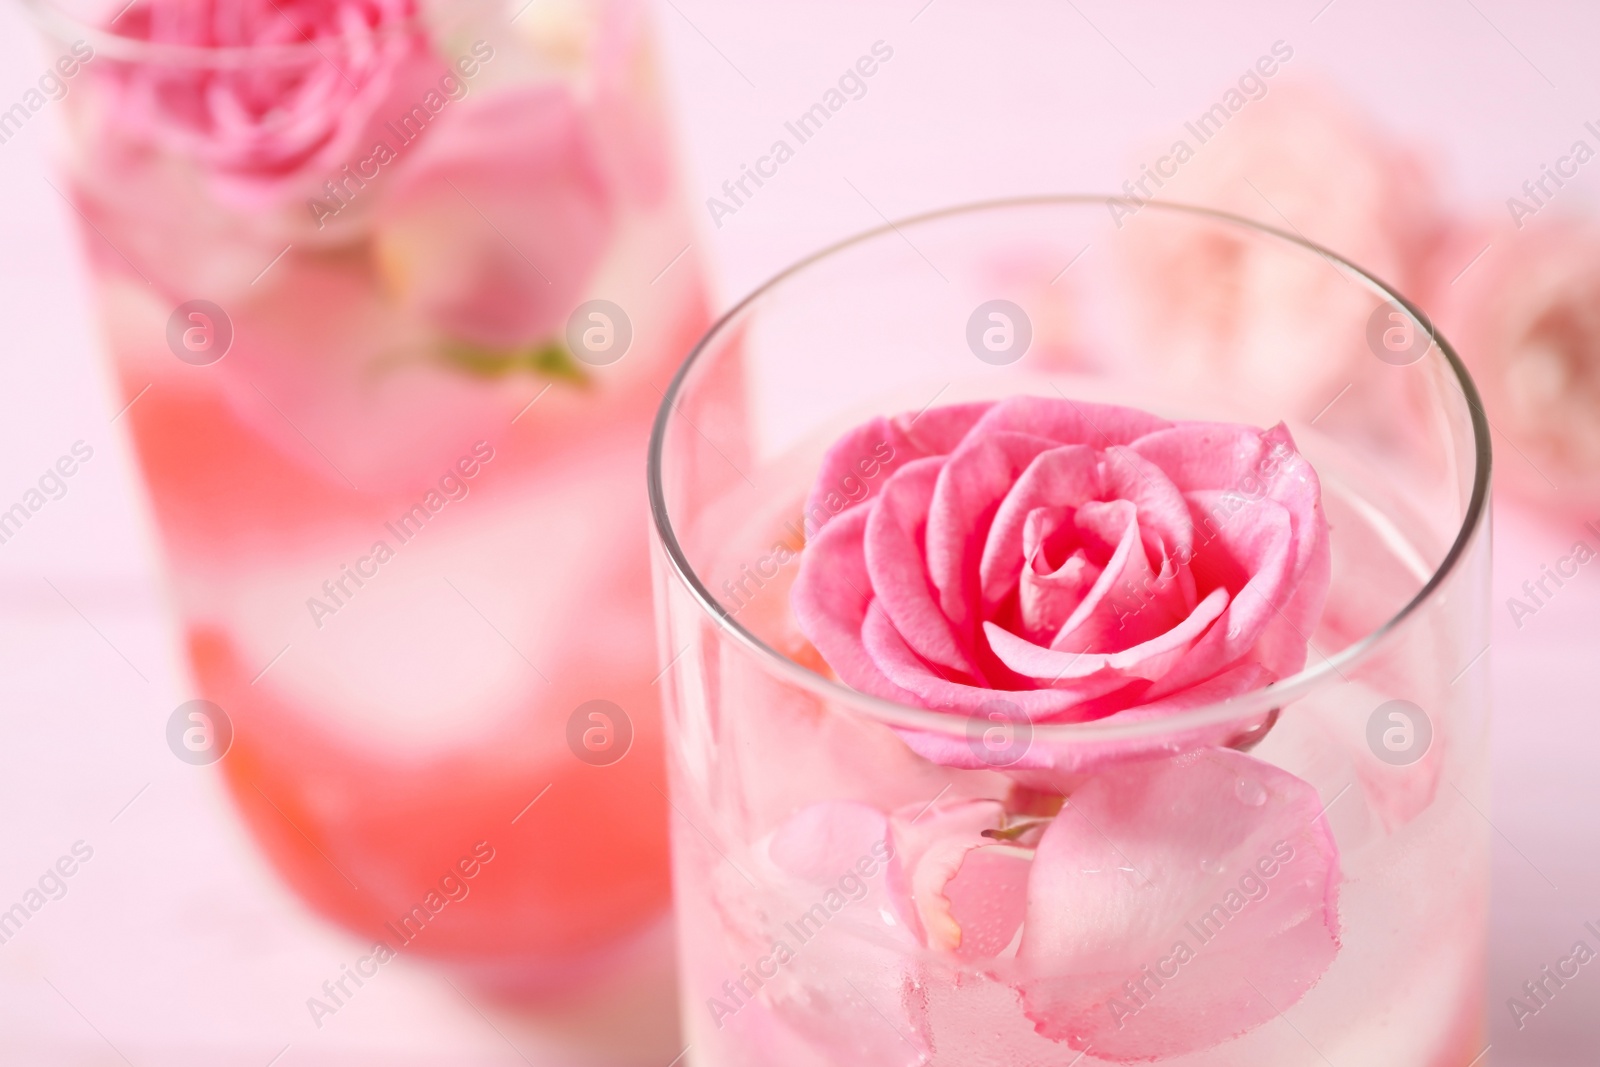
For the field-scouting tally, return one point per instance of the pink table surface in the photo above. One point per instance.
(174, 945)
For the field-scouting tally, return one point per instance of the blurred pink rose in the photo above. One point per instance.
(1526, 319)
(496, 224)
(1224, 307)
(1069, 561)
(273, 126)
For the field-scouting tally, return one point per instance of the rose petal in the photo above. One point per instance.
(1295, 485)
(1069, 475)
(1203, 455)
(1251, 554)
(1046, 600)
(830, 604)
(930, 842)
(976, 477)
(1149, 659)
(904, 670)
(1069, 421)
(899, 575)
(1049, 763)
(988, 899)
(938, 431)
(1163, 516)
(1174, 905)
(867, 447)
(881, 446)
(825, 840)
(1114, 614)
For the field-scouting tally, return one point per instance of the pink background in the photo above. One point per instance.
(174, 944)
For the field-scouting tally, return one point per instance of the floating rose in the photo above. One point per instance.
(1303, 160)
(267, 128)
(1074, 561)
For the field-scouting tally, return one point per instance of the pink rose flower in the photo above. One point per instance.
(499, 218)
(267, 129)
(1072, 560)
(1526, 318)
(1219, 305)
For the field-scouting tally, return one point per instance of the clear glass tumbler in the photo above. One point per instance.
(842, 899)
(390, 289)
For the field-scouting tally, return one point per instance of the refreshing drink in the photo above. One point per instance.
(389, 289)
(1287, 870)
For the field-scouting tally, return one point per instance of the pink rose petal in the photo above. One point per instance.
(1059, 477)
(1174, 905)
(1114, 614)
(1047, 763)
(957, 890)
(902, 668)
(1148, 660)
(830, 603)
(898, 574)
(1162, 511)
(875, 449)
(1069, 421)
(1250, 555)
(987, 899)
(930, 842)
(973, 481)
(824, 840)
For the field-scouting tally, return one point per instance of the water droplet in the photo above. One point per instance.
(1251, 792)
(1210, 866)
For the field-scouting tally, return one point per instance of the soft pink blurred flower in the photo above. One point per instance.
(1071, 561)
(273, 127)
(1223, 307)
(1526, 319)
(499, 218)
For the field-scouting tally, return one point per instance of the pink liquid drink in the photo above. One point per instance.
(388, 289)
(1288, 870)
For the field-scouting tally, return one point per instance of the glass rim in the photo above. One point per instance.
(48, 16)
(1257, 702)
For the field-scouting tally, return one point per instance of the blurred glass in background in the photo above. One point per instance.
(386, 287)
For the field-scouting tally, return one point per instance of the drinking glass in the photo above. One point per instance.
(389, 291)
(799, 941)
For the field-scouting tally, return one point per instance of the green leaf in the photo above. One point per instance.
(548, 360)
(1015, 828)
